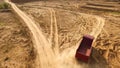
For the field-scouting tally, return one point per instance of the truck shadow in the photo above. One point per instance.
(96, 60)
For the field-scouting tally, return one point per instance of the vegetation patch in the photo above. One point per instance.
(4, 5)
(116, 13)
(1, 23)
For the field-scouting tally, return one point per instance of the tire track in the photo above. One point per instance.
(54, 31)
(97, 29)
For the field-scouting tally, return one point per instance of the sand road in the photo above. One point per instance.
(45, 53)
(46, 57)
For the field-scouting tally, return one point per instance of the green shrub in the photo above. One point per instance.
(4, 5)
(116, 13)
(1, 23)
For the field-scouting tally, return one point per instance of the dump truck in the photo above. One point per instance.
(84, 50)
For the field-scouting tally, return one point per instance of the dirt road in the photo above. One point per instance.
(43, 47)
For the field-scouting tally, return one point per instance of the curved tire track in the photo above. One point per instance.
(97, 29)
(43, 47)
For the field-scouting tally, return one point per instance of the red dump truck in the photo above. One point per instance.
(84, 50)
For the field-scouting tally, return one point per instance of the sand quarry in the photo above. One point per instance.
(46, 34)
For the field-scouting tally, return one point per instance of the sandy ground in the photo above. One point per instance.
(71, 27)
(63, 23)
(64, 28)
(108, 41)
(16, 49)
(69, 23)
